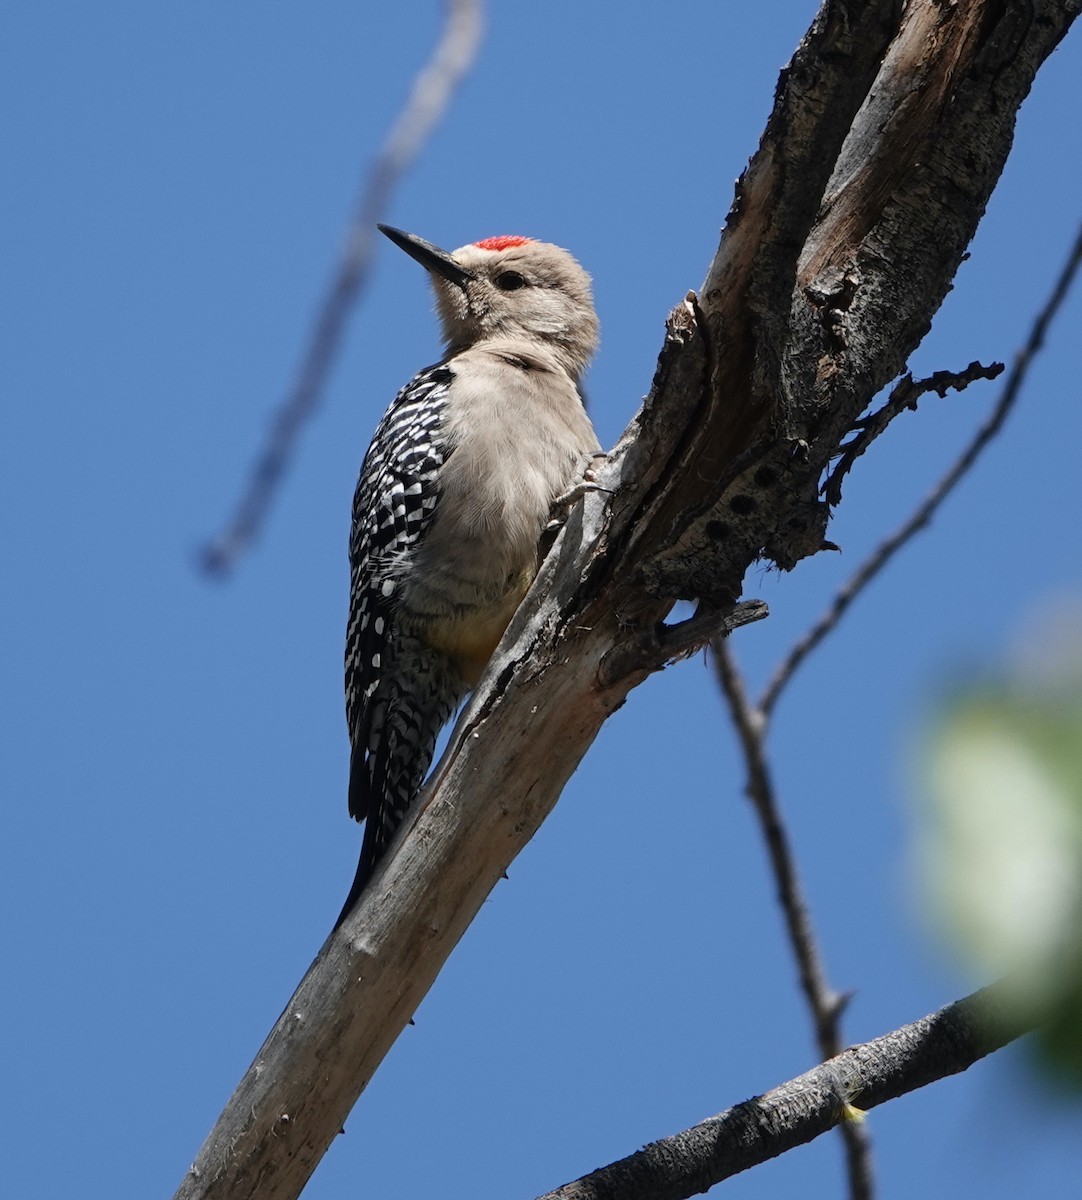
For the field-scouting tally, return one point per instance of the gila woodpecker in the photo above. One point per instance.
(453, 495)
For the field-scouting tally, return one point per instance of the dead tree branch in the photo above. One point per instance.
(904, 396)
(944, 1043)
(889, 130)
(431, 93)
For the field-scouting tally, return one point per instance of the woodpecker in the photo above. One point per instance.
(453, 495)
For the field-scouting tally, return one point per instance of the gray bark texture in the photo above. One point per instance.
(889, 130)
(840, 1089)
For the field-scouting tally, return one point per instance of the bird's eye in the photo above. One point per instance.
(510, 281)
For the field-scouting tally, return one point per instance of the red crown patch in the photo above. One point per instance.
(503, 242)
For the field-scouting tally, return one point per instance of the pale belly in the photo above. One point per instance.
(468, 640)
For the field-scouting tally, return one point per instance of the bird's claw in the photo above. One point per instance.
(562, 505)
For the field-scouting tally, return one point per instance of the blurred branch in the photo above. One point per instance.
(924, 513)
(944, 1043)
(824, 1003)
(432, 90)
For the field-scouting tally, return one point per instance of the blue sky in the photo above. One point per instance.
(178, 184)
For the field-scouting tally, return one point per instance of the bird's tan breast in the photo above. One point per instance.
(519, 438)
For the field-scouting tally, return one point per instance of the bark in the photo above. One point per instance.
(840, 1089)
(889, 130)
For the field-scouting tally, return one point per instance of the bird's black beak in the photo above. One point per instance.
(432, 258)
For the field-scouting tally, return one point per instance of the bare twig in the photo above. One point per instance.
(942, 1044)
(658, 645)
(428, 99)
(920, 518)
(824, 1003)
(904, 395)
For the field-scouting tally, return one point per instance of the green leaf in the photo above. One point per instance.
(1003, 855)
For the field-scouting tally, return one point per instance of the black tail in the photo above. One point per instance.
(360, 878)
(385, 778)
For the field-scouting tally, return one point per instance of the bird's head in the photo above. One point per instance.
(510, 287)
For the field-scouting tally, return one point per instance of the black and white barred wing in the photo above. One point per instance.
(393, 506)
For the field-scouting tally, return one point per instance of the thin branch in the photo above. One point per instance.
(432, 90)
(658, 645)
(903, 396)
(921, 517)
(824, 1003)
(942, 1044)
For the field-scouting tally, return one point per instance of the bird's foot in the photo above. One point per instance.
(562, 505)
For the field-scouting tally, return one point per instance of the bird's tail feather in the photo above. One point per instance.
(403, 726)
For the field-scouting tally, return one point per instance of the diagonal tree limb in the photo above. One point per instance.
(942, 1044)
(720, 467)
(431, 92)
